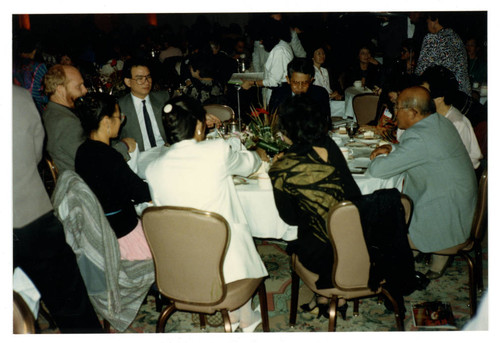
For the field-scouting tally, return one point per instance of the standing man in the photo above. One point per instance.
(64, 85)
(439, 176)
(142, 108)
(39, 244)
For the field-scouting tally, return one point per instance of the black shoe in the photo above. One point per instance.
(306, 308)
(421, 281)
(323, 311)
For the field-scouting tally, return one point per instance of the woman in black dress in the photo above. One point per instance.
(107, 174)
(310, 178)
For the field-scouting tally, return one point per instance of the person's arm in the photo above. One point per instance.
(410, 153)
(242, 162)
(136, 189)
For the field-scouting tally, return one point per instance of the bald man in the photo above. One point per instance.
(439, 176)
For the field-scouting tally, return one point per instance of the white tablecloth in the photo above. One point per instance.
(350, 93)
(263, 217)
(337, 108)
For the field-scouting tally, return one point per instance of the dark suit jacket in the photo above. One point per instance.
(131, 128)
(317, 93)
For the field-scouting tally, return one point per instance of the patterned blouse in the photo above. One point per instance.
(29, 74)
(445, 48)
(305, 188)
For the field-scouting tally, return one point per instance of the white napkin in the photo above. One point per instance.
(23, 285)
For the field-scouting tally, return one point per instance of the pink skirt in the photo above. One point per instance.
(134, 246)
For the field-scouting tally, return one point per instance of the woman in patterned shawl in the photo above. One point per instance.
(443, 46)
(308, 180)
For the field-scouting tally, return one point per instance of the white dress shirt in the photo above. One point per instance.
(140, 116)
(466, 132)
(322, 79)
(275, 69)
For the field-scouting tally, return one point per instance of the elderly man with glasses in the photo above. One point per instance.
(439, 176)
(299, 81)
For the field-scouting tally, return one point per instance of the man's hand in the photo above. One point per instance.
(383, 149)
(246, 85)
(130, 143)
(212, 120)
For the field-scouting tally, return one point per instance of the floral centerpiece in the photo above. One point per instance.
(263, 132)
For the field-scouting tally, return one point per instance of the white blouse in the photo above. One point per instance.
(322, 79)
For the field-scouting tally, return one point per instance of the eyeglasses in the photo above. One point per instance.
(397, 108)
(141, 79)
(300, 83)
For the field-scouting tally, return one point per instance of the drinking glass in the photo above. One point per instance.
(352, 128)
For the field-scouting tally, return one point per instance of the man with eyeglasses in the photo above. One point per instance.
(439, 176)
(142, 108)
(300, 75)
(64, 85)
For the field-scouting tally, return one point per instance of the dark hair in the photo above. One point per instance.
(302, 121)
(180, 118)
(202, 62)
(442, 83)
(133, 62)
(312, 46)
(300, 65)
(92, 108)
(274, 32)
(444, 18)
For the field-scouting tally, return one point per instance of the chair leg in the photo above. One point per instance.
(356, 308)
(162, 320)
(479, 267)
(295, 298)
(397, 311)
(227, 321)
(263, 306)
(106, 326)
(472, 284)
(332, 314)
(203, 322)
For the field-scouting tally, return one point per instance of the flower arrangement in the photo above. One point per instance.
(262, 131)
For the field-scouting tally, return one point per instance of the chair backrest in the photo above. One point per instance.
(365, 107)
(481, 212)
(223, 112)
(188, 248)
(24, 321)
(351, 268)
(351, 259)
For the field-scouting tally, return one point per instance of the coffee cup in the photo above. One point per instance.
(358, 84)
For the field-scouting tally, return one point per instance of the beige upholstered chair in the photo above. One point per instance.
(365, 107)
(351, 267)
(189, 247)
(24, 321)
(473, 244)
(223, 112)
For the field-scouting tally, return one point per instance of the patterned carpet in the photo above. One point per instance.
(452, 287)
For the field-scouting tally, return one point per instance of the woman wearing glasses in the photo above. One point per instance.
(107, 174)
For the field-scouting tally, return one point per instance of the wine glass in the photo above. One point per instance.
(352, 128)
